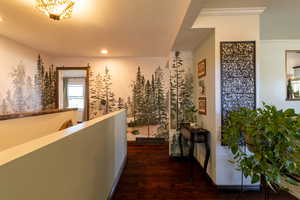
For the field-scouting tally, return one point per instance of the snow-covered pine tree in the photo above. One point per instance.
(138, 97)
(52, 89)
(187, 105)
(111, 102)
(129, 107)
(134, 101)
(107, 95)
(148, 107)
(4, 108)
(10, 102)
(18, 79)
(39, 83)
(93, 98)
(121, 104)
(176, 85)
(153, 103)
(160, 102)
(37, 101)
(45, 91)
(29, 94)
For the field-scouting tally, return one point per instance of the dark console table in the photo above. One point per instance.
(195, 135)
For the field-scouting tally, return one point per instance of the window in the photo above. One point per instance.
(76, 96)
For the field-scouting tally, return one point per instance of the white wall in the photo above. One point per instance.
(123, 70)
(79, 163)
(11, 55)
(273, 75)
(280, 20)
(14, 132)
(206, 51)
(227, 28)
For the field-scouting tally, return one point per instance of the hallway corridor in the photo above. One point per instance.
(150, 174)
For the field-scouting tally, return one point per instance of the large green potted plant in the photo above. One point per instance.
(272, 139)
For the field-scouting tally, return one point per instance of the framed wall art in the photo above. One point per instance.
(238, 76)
(202, 105)
(202, 90)
(202, 68)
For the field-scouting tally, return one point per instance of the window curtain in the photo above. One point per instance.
(85, 117)
(65, 93)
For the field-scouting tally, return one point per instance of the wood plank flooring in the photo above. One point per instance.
(150, 174)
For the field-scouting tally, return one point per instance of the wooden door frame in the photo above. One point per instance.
(87, 93)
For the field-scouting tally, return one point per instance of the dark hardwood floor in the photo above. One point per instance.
(150, 174)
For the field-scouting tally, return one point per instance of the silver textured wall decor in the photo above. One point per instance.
(238, 76)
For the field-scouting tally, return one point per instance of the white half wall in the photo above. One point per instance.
(273, 74)
(79, 163)
(17, 131)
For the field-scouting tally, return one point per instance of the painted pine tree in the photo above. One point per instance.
(107, 96)
(39, 84)
(121, 103)
(160, 102)
(148, 106)
(18, 79)
(153, 103)
(95, 85)
(93, 98)
(138, 98)
(29, 95)
(134, 101)
(10, 102)
(187, 104)
(4, 108)
(176, 85)
(52, 89)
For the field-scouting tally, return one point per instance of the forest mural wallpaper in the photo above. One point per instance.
(30, 92)
(156, 103)
(146, 105)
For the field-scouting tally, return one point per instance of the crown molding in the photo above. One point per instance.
(232, 11)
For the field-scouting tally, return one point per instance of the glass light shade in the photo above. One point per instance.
(56, 9)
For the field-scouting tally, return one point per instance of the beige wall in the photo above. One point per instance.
(14, 132)
(272, 73)
(206, 51)
(79, 163)
(227, 28)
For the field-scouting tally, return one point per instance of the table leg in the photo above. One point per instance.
(191, 156)
(207, 155)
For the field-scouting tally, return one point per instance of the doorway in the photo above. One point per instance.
(72, 90)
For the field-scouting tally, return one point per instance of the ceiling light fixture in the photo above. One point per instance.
(104, 51)
(56, 9)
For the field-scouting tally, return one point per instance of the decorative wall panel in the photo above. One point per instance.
(238, 87)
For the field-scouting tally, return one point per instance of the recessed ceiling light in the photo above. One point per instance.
(104, 51)
(1, 19)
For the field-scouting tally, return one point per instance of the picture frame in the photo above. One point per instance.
(202, 104)
(202, 89)
(202, 68)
